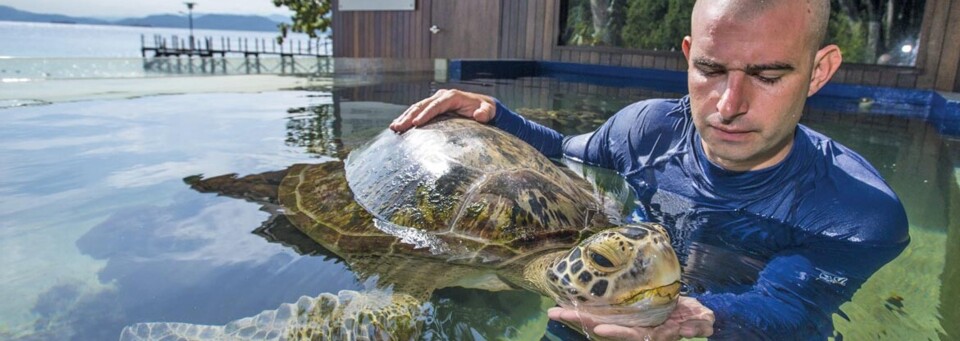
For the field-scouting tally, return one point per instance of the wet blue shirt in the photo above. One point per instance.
(773, 252)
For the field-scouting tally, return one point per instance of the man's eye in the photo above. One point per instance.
(711, 73)
(768, 80)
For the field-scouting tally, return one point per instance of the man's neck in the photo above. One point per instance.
(758, 162)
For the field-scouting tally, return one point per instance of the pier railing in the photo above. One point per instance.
(235, 56)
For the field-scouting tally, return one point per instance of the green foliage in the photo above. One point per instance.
(656, 25)
(641, 24)
(850, 35)
(310, 17)
(579, 28)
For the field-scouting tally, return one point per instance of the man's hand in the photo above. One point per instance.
(689, 319)
(467, 104)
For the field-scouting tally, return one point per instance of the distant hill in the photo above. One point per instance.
(12, 14)
(208, 21)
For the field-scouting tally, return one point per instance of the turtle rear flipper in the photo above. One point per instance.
(349, 315)
(258, 188)
(369, 315)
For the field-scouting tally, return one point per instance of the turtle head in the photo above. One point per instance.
(628, 275)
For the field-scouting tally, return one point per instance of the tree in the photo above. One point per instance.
(657, 25)
(869, 31)
(309, 17)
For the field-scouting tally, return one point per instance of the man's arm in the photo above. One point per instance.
(797, 292)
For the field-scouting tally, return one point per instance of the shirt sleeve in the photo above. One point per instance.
(548, 141)
(633, 137)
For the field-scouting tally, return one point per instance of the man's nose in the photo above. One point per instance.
(733, 102)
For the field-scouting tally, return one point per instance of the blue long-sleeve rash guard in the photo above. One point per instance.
(773, 252)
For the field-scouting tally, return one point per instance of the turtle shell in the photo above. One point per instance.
(468, 184)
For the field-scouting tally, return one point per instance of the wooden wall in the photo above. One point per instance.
(529, 29)
(382, 34)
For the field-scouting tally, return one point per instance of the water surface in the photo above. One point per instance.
(99, 231)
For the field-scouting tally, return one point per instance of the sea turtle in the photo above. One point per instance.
(453, 203)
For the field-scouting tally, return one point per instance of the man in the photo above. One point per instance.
(776, 224)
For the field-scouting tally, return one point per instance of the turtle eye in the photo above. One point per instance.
(601, 261)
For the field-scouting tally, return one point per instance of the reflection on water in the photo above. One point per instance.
(98, 230)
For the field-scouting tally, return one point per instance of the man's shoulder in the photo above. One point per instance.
(853, 189)
(658, 106)
(841, 160)
(654, 115)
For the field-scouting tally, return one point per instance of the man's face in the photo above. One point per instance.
(748, 81)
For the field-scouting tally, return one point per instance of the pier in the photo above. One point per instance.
(234, 56)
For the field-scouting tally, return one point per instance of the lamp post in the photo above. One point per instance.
(190, 9)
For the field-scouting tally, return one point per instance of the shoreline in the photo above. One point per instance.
(15, 94)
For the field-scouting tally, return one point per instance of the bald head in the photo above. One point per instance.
(817, 13)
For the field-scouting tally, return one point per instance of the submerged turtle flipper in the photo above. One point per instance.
(350, 315)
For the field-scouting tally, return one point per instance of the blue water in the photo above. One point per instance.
(40, 51)
(50, 40)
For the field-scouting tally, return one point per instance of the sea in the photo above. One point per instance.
(37, 51)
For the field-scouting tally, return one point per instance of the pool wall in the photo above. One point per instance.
(927, 105)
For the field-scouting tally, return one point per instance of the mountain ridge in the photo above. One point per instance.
(203, 21)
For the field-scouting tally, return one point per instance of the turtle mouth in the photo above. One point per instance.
(663, 293)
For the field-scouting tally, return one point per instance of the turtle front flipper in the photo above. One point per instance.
(349, 315)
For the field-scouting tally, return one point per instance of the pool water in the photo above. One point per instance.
(98, 229)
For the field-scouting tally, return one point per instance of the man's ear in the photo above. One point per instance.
(825, 64)
(685, 46)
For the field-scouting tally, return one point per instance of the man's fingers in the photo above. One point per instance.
(615, 332)
(696, 328)
(405, 120)
(478, 107)
(441, 102)
(574, 317)
(485, 113)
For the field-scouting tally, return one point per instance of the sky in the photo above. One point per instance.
(112, 9)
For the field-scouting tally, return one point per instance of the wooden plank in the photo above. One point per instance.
(549, 28)
(907, 80)
(950, 54)
(956, 82)
(346, 44)
(521, 28)
(406, 27)
(423, 34)
(518, 28)
(888, 78)
(529, 36)
(840, 76)
(381, 35)
(659, 62)
(855, 76)
(648, 61)
(357, 31)
(934, 23)
(871, 77)
(395, 50)
(373, 41)
(505, 21)
(537, 34)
